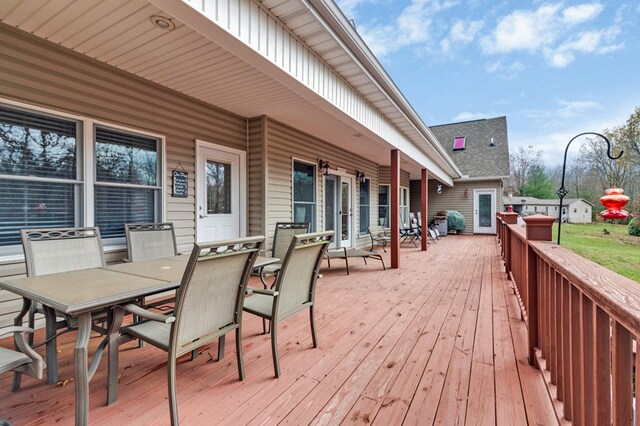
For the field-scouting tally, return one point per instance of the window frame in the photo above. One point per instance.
(364, 233)
(313, 226)
(85, 172)
(464, 143)
(405, 190)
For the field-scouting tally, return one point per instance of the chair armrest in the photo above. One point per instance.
(266, 292)
(15, 329)
(144, 313)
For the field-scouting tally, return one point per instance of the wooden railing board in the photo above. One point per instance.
(602, 352)
(566, 347)
(588, 366)
(622, 374)
(576, 357)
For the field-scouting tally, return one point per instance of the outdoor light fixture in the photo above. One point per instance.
(324, 165)
(162, 22)
(466, 193)
(361, 176)
(439, 189)
(562, 192)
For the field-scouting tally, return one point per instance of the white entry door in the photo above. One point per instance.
(484, 207)
(338, 209)
(219, 193)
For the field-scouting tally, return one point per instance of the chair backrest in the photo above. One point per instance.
(285, 231)
(296, 280)
(150, 241)
(212, 290)
(50, 251)
(419, 214)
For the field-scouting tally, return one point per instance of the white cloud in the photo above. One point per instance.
(575, 108)
(549, 30)
(505, 72)
(468, 116)
(412, 27)
(461, 33)
(349, 7)
(581, 13)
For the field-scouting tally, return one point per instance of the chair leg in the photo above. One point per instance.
(239, 353)
(32, 321)
(113, 362)
(264, 326)
(221, 347)
(312, 318)
(274, 349)
(17, 379)
(194, 354)
(171, 382)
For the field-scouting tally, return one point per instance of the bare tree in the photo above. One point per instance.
(521, 163)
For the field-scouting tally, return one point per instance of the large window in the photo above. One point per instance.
(383, 205)
(304, 193)
(44, 177)
(365, 202)
(126, 187)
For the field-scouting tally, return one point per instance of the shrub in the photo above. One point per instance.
(634, 227)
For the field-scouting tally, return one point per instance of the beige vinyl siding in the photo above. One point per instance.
(415, 186)
(256, 180)
(455, 199)
(283, 145)
(385, 176)
(39, 73)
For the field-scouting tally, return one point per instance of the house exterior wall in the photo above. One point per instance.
(579, 212)
(40, 74)
(281, 145)
(385, 177)
(454, 199)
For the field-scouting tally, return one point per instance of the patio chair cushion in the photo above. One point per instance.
(10, 359)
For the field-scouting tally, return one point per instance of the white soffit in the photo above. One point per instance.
(119, 33)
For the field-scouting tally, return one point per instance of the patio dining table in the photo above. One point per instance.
(81, 293)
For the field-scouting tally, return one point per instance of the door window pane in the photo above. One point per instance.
(218, 187)
(383, 205)
(365, 197)
(329, 204)
(484, 210)
(345, 209)
(304, 193)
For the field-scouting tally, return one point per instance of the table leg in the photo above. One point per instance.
(81, 359)
(51, 345)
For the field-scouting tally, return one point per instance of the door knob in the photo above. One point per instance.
(202, 216)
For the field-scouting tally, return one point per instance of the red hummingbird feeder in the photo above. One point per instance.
(614, 201)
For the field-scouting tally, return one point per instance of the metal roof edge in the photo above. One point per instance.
(340, 25)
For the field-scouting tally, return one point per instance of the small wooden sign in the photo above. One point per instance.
(180, 184)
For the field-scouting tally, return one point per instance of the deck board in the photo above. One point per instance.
(439, 340)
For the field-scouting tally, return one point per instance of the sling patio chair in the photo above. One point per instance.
(208, 306)
(51, 251)
(379, 236)
(284, 233)
(23, 361)
(294, 289)
(146, 241)
(342, 253)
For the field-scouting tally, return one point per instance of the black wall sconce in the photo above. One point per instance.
(466, 193)
(324, 165)
(361, 176)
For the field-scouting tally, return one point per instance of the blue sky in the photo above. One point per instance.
(555, 69)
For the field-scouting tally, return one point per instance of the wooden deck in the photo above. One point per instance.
(439, 340)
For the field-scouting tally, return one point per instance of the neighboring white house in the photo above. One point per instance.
(575, 210)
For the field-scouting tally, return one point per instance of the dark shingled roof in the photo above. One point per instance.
(478, 159)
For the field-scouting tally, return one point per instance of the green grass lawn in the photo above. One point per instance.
(617, 250)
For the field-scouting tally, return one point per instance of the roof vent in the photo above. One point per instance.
(492, 143)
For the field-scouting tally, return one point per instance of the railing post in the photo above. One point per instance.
(538, 229)
(509, 218)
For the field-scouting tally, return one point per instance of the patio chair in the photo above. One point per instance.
(294, 289)
(379, 236)
(408, 231)
(24, 361)
(51, 251)
(284, 233)
(146, 241)
(343, 253)
(208, 306)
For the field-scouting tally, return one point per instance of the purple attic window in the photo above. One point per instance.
(458, 143)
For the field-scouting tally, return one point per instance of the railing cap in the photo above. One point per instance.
(510, 217)
(539, 227)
